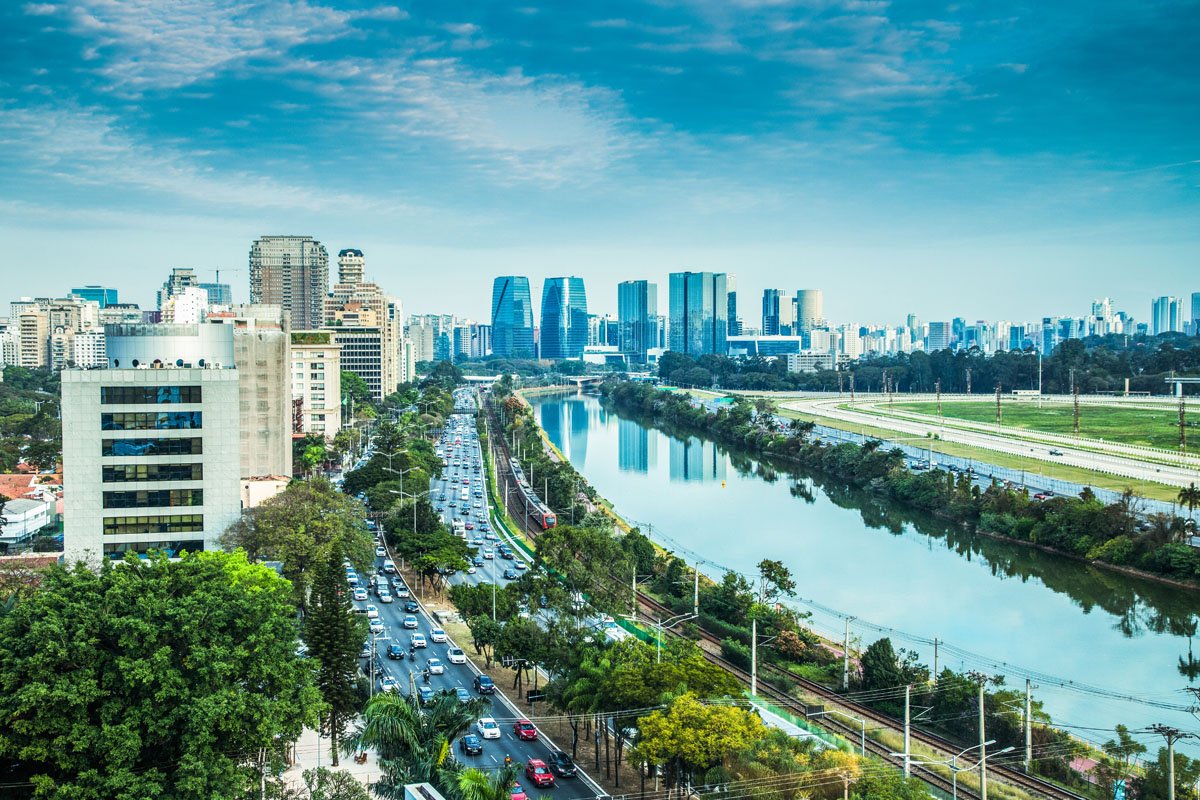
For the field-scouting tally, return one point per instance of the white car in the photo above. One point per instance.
(435, 666)
(372, 612)
(389, 684)
(377, 626)
(471, 570)
(389, 567)
(417, 640)
(402, 592)
(380, 552)
(488, 554)
(437, 635)
(519, 564)
(360, 593)
(410, 622)
(487, 727)
(455, 655)
(384, 596)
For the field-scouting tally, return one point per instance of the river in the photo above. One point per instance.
(994, 606)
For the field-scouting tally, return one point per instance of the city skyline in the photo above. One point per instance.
(918, 151)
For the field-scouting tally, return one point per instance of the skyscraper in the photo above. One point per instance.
(733, 325)
(1166, 315)
(939, 337)
(770, 311)
(637, 312)
(512, 317)
(351, 266)
(219, 294)
(699, 308)
(564, 318)
(102, 295)
(291, 272)
(180, 278)
(1196, 312)
(810, 309)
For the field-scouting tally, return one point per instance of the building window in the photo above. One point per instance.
(158, 498)
(117, 550)
(149, 395)
(152, 447)
(127, 473)
(151, 421)
(178, 523)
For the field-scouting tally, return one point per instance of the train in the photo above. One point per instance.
(538, 511)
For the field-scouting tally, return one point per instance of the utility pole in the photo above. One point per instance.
(1071, 377)
(1028, 726)
(907, 728)
(968, 380)
(753, 657)
(1172, 735)
(982, 680)
(696, 592)
(1075, 400)
(997, 404)
(1182, 423)
(938, 388)
(846, 656)
(851, 385)
(935, 661)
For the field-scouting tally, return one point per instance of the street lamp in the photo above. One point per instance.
(952, 763)
(374, 654)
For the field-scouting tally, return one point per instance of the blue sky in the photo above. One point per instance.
(990, 160)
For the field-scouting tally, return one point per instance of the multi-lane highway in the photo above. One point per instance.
(399, 621)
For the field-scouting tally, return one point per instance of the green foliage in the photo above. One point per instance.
(355, 388)
(690, 737)
(474, 600)
(152, 678)
(586, 560)
(443, 375)
(1154, 783)
(30, 429)
(299, 527)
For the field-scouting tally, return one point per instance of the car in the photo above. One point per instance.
(488, 554)
(519, 564)
(380, 552)
(523, 729)
(411, 607)
(455, 655)
(483, 526)
(517, 793)
(352, 579)
(417, 640)
(488, 728)
(537, 771)
(360, 593)
(1040, 496)
(471, 745)
(470, 526)
(562, 764)
(425, 695)
(471, 570)
(484, 685)
(372, 612)
(491, 537)
(395, 651)
(477, 561)
(507, 555)
(377, 626)
(510, 575)
(410, 622)
(1055, 452)
(366, 650)
(389, 567)
(402, 591)
(435, 666)
(384, 595)
(389, 684)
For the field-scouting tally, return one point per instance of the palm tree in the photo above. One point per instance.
(1190, 496)
(476, 784)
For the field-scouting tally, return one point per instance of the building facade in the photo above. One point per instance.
(150, 459)
(698, 315)
(316, 383)
(291, 272)
(512, 317)
(810, 309)
(103, 296)
(1166, 315)
(564, 331)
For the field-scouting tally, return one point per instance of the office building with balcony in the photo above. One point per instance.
(291, 272)
(316, 383)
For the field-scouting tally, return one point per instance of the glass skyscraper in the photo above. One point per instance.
(103, 295)
(699, 313)
(512, 317)
(637, 312)
(564, 318)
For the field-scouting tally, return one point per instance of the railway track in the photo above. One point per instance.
(1037, 787)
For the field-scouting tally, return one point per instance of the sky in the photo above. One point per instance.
(986, 160)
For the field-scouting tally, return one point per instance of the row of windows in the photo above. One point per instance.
(125, 473)
(152, 447)
(155, 498)
(179, 523)
(170, 549)
(151, 421)
(145, 395)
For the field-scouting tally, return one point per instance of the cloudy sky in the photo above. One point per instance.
(989, 160)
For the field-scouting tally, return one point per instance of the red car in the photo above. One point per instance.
(518, 793)
(524, 730)
(537, 771)
(469, 526)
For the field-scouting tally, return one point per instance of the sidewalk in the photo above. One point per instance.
(310, 752)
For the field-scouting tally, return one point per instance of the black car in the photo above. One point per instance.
(425, 695)
(395, 651)
(484, 685)
(411, 607)
(471, 744)
(562, 764)
(510, 574)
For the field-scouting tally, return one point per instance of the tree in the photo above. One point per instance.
(476, 784)
(1190, 496)
(690, 737)
(334, 637)
(1153, 783)
(311, 456)
(152, 678)
(298, 527)
(355, 388)
(1121, 753)
(774, 580)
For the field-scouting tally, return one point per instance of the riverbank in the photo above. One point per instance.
(1082, 528)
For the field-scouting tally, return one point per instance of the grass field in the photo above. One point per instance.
(1152, 427)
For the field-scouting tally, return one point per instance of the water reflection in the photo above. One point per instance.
(637, 450)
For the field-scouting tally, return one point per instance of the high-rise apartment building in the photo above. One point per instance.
(1166, 315)
(261, 340)
(810, 309)
(103, 296)
(698, 310)
(512, 317)
(939, 337)
(291, 272)
(358, 303)
(316, 383)
(637, 317)
(44, 329)
(352, 266)
(188, 306)
(150, 457)
(564, 318)
(181, 278)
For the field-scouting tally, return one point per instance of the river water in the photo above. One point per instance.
(1123, 643)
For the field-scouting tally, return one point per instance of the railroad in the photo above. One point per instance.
(1036, 786)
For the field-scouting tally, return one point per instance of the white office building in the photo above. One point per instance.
(151, 455)
(316, 383)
